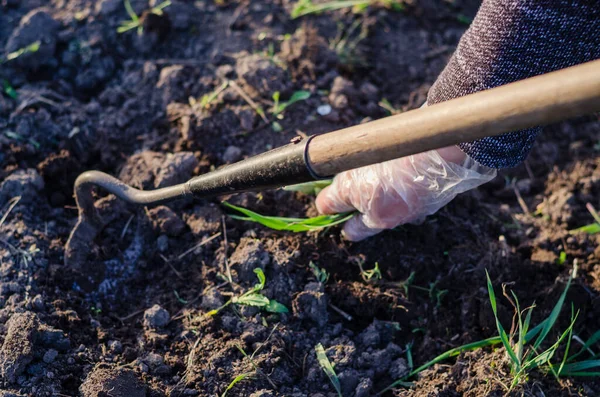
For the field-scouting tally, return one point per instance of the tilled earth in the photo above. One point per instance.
(130, 105)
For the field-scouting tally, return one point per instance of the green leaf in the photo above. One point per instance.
(9, 90)
(589, 229)
(235, 380)
(276, 307)
(298, 96)
(256, 300)
(328, 368)
(261, 279)
(130, 11)
(591, 341)
(289, 224)
(551, 319)
(501, 331)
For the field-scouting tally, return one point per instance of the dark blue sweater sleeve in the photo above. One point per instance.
(510, 40)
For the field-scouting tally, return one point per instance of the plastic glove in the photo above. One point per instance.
(400, 191)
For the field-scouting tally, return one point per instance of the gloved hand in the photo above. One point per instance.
(400, 191)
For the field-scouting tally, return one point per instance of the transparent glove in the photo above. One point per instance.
(400, 191)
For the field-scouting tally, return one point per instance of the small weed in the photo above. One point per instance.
(253, 298)
(136, 22)
(465, 20)
(320, 274)
(328, 368)
(312, 188)
(207, 99)
(33, 47)
(9, 90)
(562, 258)
(289, 224)
(368, 275)
(257, 370)
(523, 344)
(345, 44)
(592, 228)
(279, 107)
(306, 7)
(179, 298)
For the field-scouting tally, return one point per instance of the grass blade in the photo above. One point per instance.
(592, 340)
(289, 224)
(328, 368)
(235, 380)
(501, 331)
(549, 322)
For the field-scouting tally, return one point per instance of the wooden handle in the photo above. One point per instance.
(536, 101)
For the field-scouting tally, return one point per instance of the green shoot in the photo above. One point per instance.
(346, 42)
(311, 188)
(9, 90)
(253, 298)
(562, 258)
(465, 20)
(207, 99)
(328, 368)
(33, 47)
(289, 224)
(235, 380)
(306, 7)
(523, 345)
(592, 228)
(257, 370)
(19, 138)
(320, 274)
(367, 275)
(136, 22)
(279, 107)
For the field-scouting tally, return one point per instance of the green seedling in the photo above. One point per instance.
(253, 298)
(311, 188)
(320, 274)
(257, 370)
(33, 47)
(279, 107)
(9, 90)
(306, 7)
(289, 224)
(367, 275)
(346, 42)
(592, 228)
(136, 22)
(524, 345)
(562, 258)
(465, 20)
(328, 368)
(207, 99)
(235, 381)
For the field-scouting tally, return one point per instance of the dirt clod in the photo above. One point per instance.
(248, 255)
(18, 347)
(311, 304)
(103, 382)
(156, 317)
(165, 220)
(37, 25)
(261, 74)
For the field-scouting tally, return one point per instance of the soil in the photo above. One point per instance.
(130, 105)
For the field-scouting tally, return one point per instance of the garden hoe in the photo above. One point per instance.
(532, 102)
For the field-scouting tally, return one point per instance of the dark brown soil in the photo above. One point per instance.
(91, 98)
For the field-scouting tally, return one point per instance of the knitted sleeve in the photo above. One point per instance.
(510, 40)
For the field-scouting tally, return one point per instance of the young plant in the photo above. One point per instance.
(33, 47)
(136, 22)
(289, 224)
(279, 107)
(9, 90)
(328, 368)
(367, 275)
(387, 105)
(207, 99)
(305, 7)
(320, 274)
(346, 42)
(592, 228)
(253, 298)
(524, 345)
